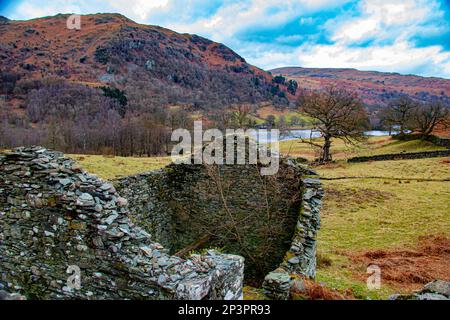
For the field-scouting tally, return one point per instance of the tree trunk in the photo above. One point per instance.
(326, 154)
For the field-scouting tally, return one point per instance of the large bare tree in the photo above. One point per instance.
(399, 113)
(339, 114)
(429, 115)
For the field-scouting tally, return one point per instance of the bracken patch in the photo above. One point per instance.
(408, 269)
(317, 291)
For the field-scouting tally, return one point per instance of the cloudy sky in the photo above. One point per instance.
(405, 36)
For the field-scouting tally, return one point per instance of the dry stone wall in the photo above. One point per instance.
(55, 216)
(183, 203)
(122, 234)
(401, 156)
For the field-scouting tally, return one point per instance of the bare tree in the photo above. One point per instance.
(429, 115)
(53, 134)
(399, 113)
(222, 118)
(338, 113)
(270, 121)
(241, 115)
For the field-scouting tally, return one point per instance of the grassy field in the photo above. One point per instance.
(371, 146)
(380, 214)
(262, 114)
(108, 167)
(384, 205)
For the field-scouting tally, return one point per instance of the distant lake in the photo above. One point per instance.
(262, 135)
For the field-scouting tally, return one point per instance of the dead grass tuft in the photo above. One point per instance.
(323, 261)
(352, 197)
(316, 291)
(409, 269)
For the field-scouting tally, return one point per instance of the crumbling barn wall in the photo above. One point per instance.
(272, 221)
(55, 218)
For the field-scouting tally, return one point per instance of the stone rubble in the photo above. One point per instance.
(8, 296)
(436, 290)
(277, 285)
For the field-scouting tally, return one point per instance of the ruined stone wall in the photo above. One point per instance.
(300, 259)
(54, 215)
(145, 193)
(401, 156)
(277, 217)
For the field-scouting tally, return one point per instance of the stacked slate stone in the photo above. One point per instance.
(8, 296)
(55, 218)
(301, 256)
(143, 192)
(277, 285)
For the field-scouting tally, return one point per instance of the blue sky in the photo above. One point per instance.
(405, 36)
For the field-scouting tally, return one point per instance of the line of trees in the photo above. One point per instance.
(340, 114)
(78, 119)
(416, 117)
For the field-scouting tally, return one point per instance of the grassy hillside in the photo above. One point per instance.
(113, 49)
(262, 113)
(366, 215)
(372, 146)
(374, 88)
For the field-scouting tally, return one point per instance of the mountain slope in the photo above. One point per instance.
(111, 49)
(375, 88)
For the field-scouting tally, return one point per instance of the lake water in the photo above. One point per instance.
(263, 136)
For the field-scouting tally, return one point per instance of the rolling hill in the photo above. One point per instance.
(374, 88)
(110, 49)
(115, 86)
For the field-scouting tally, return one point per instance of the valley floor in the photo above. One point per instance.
(403, 226)
(394, 214)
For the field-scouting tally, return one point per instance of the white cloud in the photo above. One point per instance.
(389, 25)
(240, 16)
(400, 57)
(139, 10)
(386, 20)
(35, 9)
